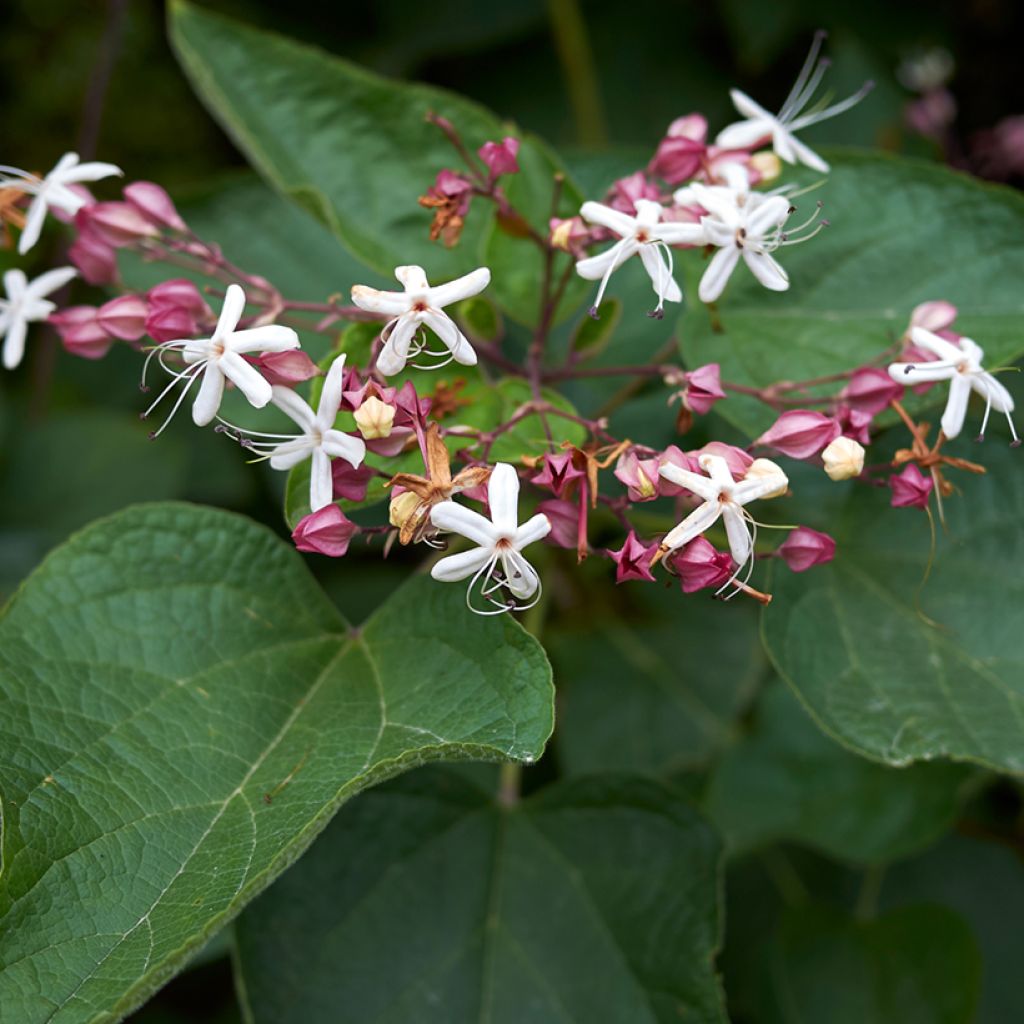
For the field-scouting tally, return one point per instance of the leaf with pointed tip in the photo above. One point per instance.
(184, 712)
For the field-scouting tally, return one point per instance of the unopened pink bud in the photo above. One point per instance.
(124, 317)
(182, 293)
(633, 560)
(500, 157)
(690, 126)
(169, 323)
(680, 154)
(81, 333)
(672, 456)
(96, 261)
(640, 476)
(326, 532)
(703, 388)
(800, 433)
(564, 518)
(350, 481)
(855, 424)
(154, 204)
(626, 191)
(910, 488)
(287, 368)
(557, 473)
(871, 390)
(805, 548)
(699, 564)
(935, 316)
(117, 224)
(736, 459)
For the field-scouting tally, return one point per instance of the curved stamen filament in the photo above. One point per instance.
(808, 66)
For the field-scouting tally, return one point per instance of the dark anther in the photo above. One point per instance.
(907, 369)
(656, 314)
(592, 312)
(826, 223)
(144, 388)
(152, 435)
(1015, 444)
(792, 208)
(979, 438)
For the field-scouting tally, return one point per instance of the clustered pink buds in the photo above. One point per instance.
(805, 548)
(176, 310)
(910, 488)
(81, 333)
(500, 157)
(154, 204)
(800, 433)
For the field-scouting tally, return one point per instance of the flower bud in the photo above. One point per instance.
(672, 456)
(626, 191)
(703, 388)
(633, 560)
(181, 293)
(805, 548)
(500, 157)
(800, 433)
(640, 476)
(910, 488)
(736, 459)
(935, 316)
(557, 473)
(154, 204)
(81, 332)
(843, 458)
(287, 368)
(855, 424)
(325, 532)
(871, 390)
(96, 261)
(569, 235)
(374, 418)
(169, 323)
(677, 158)
(699, 564)
(765, 469)
(350, 481)
(401, 507)
(124, 317)
(564, 519)
(117, 224)
(766, 166)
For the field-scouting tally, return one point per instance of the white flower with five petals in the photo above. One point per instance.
(318, 439)
(645, 235)
(26, 303)
(219, 358)
(722, 498)
(420, 306)
(53, 190)
(760, 125)
(961, 366)
(499, 540)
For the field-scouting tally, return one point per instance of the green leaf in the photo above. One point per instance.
(636, 695)
(900, 682)
(787, 781)
(916, 965)
(184, 712)
(355, 149)
(591, 337)
(426, 900)
(902, 232)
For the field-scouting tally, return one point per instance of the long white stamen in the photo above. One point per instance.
(177, 405)
(808, 91)
(837, 108)
(808, 66)
(612, 267)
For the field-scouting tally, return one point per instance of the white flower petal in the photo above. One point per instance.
(269, 338)
(534, 529)
(593, 268)
(503, 498)
(49, 282)
(455, 341)
(294, 406)
(747, 491)
(231, 312)
(769, 214)
(33, 224)
(940, 347)
(921, 373)
(455, 518)
(291, 453)
(330, 394)
(806, 156)
(661, 277)
(373, 300)
(956, 406)
(748, 107)
(520, 577)
(246, 378)
(321, 484)
(767, 270)
(745, 135)
(14, 342)
(992, 391)
(681, 233)
(461, 288)
(15, 284)
(738, 532)
(699, 520)
(453, 568)
(716, 277)
(393, 356)
(718, 470)
(92, 171)
(412, 278)
(211, 391)
(606, 217)
(702, 486)
(340, 445)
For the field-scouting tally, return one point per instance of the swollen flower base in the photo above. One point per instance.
(694, 200)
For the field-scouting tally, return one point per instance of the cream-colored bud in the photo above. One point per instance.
(561, 234)
(767, 164)
(401, 507)
(843, 458)
(761, 469)
(375, 418)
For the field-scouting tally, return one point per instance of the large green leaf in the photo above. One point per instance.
(354, 148)
(184, 711)
(897, 681)
(653, 681)
(595, 900)
(916, 965)
(788, 781)
(902, 232)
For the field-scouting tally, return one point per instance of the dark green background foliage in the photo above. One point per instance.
(807, 815)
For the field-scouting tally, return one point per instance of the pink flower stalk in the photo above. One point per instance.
(80, 332)
(703, 388)
(633, 560)
(699, 565)
(871, 390)
(800, 433)
(805, 548)
(564, 518)
(117, 224)
(626, 191)
(681, 153)
(287, 368)
(500, 157)
(640, 476)
(350, 482)
(96, 261)
(910, 488)
(124, 318)
(557, 474)
(672, 456)
(325, 532)
(154, 204)
(736, 459)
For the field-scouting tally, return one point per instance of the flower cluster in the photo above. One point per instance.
(363, 437)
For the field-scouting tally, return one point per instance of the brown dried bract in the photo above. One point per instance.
(10, 213)
(448, 221)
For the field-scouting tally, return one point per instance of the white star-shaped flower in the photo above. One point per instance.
(744, 223)
(500, 539)
(961, 366)
(52, 191)
(26, 303)
(645, 234)
(761, 125)
(418, 306)
(722, 497)
(318, 439)
(219, 358)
